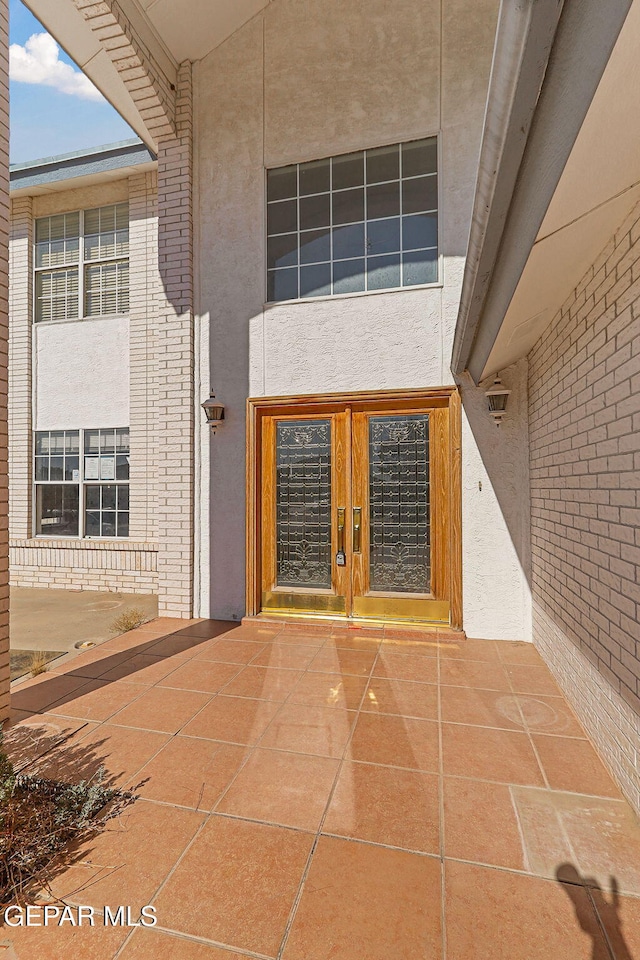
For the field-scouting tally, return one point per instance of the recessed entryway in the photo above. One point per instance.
(354, 506)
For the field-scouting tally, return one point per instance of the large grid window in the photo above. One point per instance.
(82, 263)
(82, 495)
(360, 221)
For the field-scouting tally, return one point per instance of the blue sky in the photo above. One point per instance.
(46, 120)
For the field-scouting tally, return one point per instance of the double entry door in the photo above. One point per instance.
(356, 514)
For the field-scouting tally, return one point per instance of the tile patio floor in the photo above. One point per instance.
(333, 794)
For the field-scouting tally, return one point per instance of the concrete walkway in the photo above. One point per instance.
(45, 619)
(333, 794)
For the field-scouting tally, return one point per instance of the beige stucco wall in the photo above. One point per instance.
(81, 374)
(301, 81)
(585, 501)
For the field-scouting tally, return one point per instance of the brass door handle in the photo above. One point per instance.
(341, 515)
(357, 519)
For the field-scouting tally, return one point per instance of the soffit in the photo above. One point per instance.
(190, 29)
(599, 186)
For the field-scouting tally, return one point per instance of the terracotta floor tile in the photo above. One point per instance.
(361, 902)
(322, 731)
(94, 667)
(132, 856)
(621, 919)
(234, 719)
(142, 668)
(485, 754)
(483, 675)
(206, 629)
(483, 708)
(386, 805)
(283, 788)
(153, 944)
(507, 916)
(301, 638)
(395, 741)
(61, 943)
(261, 632)
(121, 751)
(486, 650)
(190, 772)
(263, 683)
(355, 662)
(549, 715)
(402, 666)
(39, 694)
(517, 651)
(575, 766)
(162, 709)
(329, 690)
(407, 644)
(533, 680)
(401, 697)
(230, 651)
(599, 838)
(290, 656)
(176, 645)
(204, 676)
(99, 700)
(480, 823)
(36, 734)
(353, 636)
(345, 640)
(236, 884)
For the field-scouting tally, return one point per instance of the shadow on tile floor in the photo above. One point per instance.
(607, 907)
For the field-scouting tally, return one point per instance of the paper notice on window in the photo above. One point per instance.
(75, 476)
(91, 468)
(108, 468)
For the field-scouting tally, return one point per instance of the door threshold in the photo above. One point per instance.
(358, 623)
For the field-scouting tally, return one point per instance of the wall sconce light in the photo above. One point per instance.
(214, 411)
(497, 396)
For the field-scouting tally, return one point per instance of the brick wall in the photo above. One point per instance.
(20, 380)
(584, 396)
(175, 361)
(143, 318)
(4, 309)
(119, 566)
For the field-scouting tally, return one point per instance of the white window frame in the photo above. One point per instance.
(82, 485)
(80, 265)
(437, 283)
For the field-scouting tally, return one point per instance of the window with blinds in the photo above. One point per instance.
(82, 264)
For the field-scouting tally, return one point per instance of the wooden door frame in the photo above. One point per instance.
(258, 407)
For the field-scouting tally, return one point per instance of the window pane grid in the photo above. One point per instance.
(96, 242)
(392, 243)
(82, 496)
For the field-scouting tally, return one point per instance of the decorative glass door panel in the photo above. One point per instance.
(303, 504)
(355, 509)
(304, 476)
(399, 549)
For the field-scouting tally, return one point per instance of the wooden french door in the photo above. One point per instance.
(356, 506)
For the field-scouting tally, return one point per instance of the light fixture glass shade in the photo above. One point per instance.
(497, 397)
(214, 411)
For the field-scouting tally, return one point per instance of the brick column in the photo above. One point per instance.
(143, 319)
(4, 309)
(20, 361)
(174, 361)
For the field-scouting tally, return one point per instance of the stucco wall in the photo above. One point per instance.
(82, 374)
(301, 81)
(585, 501)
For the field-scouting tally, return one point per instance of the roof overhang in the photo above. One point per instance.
(81, 169)
(559, 168)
